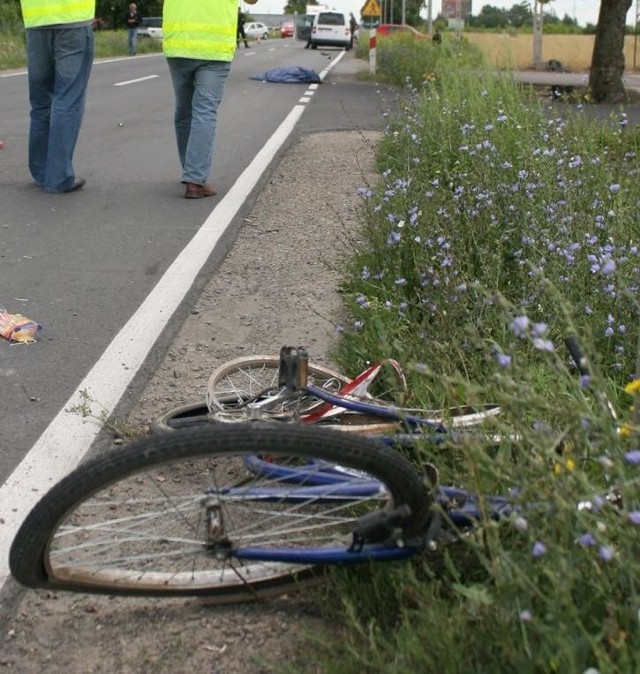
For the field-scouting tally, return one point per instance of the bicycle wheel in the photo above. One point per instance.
(179, 514)
(255, 379)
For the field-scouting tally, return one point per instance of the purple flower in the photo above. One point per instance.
(614, 188)
(526, 616)
(605, 553)
(633, 457)
(539, 329)
(585, 380)
(358, 325)
(503, 360)
(543, 344)
(609, 267)
(519, 325)
(634, 517)
(539, 549)
(401, 282)
(587, 540)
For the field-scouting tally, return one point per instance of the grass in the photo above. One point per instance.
(108, 44)
(499, 227)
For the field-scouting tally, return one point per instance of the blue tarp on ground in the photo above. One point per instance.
(288, 75)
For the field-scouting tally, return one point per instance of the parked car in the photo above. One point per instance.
(257, 30)
(330, 29)
(398, 29)
(151, 26)
(287, 29)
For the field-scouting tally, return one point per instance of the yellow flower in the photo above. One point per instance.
(633, 387)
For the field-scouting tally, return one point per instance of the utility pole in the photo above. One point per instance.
(538, 16)
(429, 18)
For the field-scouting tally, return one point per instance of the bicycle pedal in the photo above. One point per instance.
(380, 527)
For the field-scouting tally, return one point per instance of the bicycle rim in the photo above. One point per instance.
(238, 381)
(178, 514)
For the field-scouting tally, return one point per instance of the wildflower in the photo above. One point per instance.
(401, 282)
(503, 359)
(614, 188)
(358, 325)
(634, 517)
(339, 329)
(585, 380)
(519, 325)
(538, 329)
(633, 457)
(605, 553)
(587, 540)
(543, 344)
(521, 524)
(633, 386)
(526, 616)
(539, 549)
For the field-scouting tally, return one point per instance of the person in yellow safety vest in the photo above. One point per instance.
(199, 42)
(60, 48)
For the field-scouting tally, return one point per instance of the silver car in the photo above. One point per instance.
(257, 30)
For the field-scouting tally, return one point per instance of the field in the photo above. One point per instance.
(573, 51)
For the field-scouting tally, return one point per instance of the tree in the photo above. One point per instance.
(607, 63)
(295, 7)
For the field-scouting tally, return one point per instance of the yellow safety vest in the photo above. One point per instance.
(47, 13)
(200, 29)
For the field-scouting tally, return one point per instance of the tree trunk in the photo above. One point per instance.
(607, 63)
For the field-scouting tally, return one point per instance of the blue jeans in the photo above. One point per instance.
(198, 87)
(132, 37)
(59, 63)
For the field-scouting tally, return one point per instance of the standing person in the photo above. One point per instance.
(60, 48)
(240, 34)
(353, 27)
(199, 43)
(133, 21)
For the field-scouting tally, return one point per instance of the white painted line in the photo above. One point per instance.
(68, 437)
(140, 79)
(304, 99)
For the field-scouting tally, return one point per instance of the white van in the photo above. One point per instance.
(330, 29)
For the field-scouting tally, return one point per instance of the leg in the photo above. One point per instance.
(73, 57)
(182, 76)
(209, 81)
(134, 41)
(41, 73)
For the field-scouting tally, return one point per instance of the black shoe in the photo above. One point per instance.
(78, 184)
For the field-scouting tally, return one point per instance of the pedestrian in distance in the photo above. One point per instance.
(133, 19)
(60, 49)
(353, 27)
(199, 45)
(240, 34)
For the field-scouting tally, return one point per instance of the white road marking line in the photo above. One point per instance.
(139, 79)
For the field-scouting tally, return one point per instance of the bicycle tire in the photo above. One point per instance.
(167, 481)
(241, 379)
(196, 414)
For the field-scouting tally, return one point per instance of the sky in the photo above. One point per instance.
(585, 11)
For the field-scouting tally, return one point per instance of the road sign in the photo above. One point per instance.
(371, 8)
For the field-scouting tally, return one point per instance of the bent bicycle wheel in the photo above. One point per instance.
(178, 514)
(254, 380)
